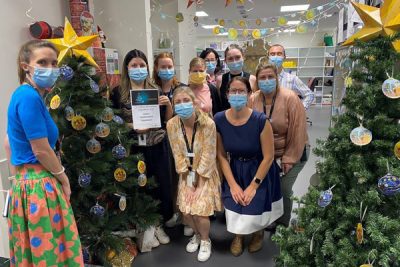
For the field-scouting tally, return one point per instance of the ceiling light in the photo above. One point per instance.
(294, 8)
(289, 30)
(293, 22)
(209, 26)
(201, 14)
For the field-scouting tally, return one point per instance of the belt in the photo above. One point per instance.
(244, 159)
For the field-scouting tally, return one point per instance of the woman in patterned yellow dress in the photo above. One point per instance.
(192, 135)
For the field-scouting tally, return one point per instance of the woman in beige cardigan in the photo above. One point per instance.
(286, 113)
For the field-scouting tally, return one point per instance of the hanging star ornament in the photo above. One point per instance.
(377, 21)
(71, 44)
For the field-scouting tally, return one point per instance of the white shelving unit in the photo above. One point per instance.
(313, 62)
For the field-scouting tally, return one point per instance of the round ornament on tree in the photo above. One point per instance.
(120, 174)
(67, 73)
(389, 185)
(55, 102)
(122, 203)
(119, 152)
(97, 210)
(69, 113)
(118, 119)
(86, 255)
(93, 146)
(391, 88)
(107, 114)
(325, 198)
(84, 179)
(102, 130)
(396, 150)
(142, 180)
(361, 136)
(78, 122)
(141, 166)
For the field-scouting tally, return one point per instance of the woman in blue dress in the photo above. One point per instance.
(251, 189)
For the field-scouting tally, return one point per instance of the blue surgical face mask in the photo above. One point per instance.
(138, 74)
(267, 86)
(166, 74)
(276, 60)
(184, 110)
(211, 65)
(45, 77)
(237, 101)
(235, 66)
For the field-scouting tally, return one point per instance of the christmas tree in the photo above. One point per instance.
(353, 216)
(107, 179)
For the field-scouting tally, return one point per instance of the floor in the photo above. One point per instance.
(174, 254)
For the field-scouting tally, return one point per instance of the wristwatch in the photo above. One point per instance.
(257, 180)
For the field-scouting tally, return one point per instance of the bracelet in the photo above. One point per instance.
(60, 172)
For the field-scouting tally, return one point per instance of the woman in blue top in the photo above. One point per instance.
(251, 189)
(42, 228)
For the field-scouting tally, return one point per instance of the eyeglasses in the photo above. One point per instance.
(234, 91)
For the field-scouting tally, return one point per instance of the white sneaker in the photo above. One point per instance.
(174, 221)
(154, 243)
(162, 237)
(205, 250)
(188, 231)
(193, 244)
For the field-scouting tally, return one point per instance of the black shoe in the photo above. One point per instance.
(271, 228)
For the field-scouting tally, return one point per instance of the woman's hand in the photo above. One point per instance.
(193, 194)
(237, 194)
(65, 186)
(286, 167)
(249, 193)
(164, 101)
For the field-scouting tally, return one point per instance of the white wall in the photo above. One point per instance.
(126, 23)
(186, 41)
(14, 32)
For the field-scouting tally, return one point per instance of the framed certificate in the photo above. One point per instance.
(145, 109)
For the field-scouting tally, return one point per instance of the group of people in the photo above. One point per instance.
(234, 142)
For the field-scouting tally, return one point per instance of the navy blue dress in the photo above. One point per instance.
(242, 143)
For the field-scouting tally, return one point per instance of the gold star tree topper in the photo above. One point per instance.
(377, 21)
(71, 44)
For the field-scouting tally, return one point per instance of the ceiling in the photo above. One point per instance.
(259, 9)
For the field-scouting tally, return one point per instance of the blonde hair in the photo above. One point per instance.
(201, 117)
(25, 53)
(197, 61)
(157, 79)
(263, 66)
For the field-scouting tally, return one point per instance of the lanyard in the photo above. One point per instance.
(189, 149)
(272, 106)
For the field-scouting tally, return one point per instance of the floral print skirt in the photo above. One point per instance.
(42, 228)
